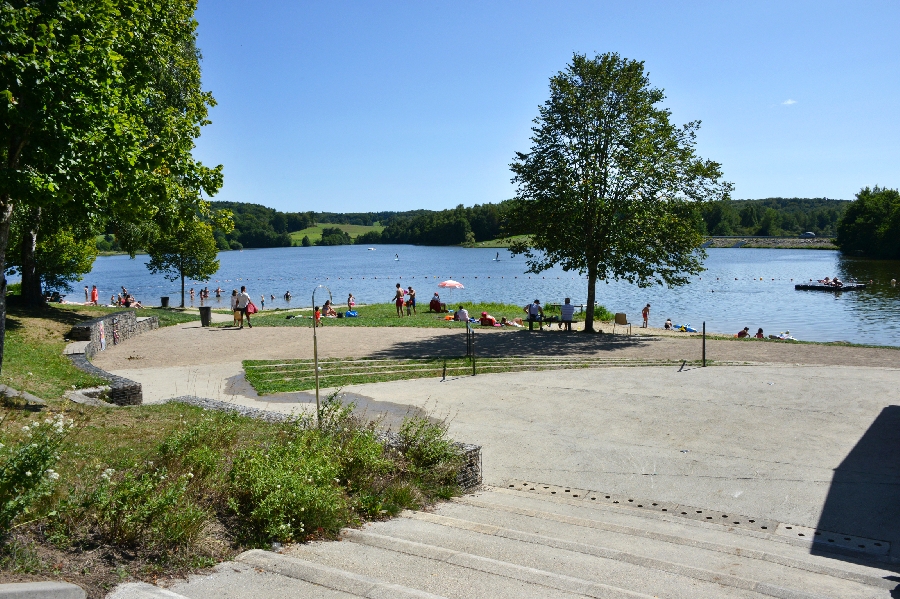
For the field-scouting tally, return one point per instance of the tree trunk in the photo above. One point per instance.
(32, 294)
(591, 299)
(182, 289)
(6, 209)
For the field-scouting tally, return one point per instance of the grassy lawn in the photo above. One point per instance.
(315, 232)
(35, 339)
(277, 376)
(503, 242)
(385, 315)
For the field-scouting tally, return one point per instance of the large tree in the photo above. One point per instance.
(610, 185)
(100, 103)
(871, 225)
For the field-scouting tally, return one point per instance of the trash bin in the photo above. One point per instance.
(164, 301)
(205, 315)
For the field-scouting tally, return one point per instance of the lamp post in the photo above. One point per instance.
(316, 351)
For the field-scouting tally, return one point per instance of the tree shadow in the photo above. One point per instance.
(514, 343)
(864, 495)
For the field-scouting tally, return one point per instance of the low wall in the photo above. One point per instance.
(95, 336)
(111, 329)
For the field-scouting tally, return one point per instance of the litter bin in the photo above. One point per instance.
(205, 315)
(164, 301)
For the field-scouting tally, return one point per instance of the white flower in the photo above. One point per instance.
(48, 420)
(107, 474)
(52, 474)
(28, 473)
(25, 428)
(1, 445)
(190, 475)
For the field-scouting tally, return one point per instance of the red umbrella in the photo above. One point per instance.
(451, 284)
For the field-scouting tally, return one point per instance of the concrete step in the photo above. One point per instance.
(773, 547)
(502, 543)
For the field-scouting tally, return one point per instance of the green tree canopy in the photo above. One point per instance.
(610, 185)
(871, 224)
(100, 103)
(188, 251)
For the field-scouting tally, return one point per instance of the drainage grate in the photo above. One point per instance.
(834, 539)
(731, 520)
(545, 489)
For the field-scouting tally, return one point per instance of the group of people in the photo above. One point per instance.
(92, 298)
(746, 333)
(405, 297)
(835, 282)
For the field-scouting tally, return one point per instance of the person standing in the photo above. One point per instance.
(398, 300)
(243, 299)
(262, 302)
(234, 307)
(95, 296)
(87, 295)
(566, 313)
(411, 303)
(351, 302)
(646, 314)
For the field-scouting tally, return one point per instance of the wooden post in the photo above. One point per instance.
(704, 344)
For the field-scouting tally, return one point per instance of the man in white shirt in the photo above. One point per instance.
(566, 312)
(242, 300)
(535, 315)
(462, 315)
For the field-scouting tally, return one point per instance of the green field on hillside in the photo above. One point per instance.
(315, 233)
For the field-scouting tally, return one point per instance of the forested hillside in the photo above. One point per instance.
(774, 216)
(256, 226)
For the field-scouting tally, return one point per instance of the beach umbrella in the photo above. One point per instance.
(451, 284)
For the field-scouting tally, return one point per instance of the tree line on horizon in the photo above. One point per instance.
(258, 226)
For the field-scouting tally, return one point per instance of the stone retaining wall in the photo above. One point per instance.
(100, 333)
(111, 329)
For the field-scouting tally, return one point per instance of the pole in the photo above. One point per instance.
(704, 344)
(316, 354)
(473, 352)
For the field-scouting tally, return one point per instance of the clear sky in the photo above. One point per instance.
(364, 106)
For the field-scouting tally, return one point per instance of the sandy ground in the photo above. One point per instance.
(807, 434)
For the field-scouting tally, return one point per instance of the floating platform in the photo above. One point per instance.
(821, 287)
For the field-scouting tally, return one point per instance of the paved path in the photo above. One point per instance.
(811, 438)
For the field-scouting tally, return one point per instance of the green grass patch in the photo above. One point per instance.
(502, 242)
(315, 232)
(277, 376)
(35, 338)
(167, 316)
(385, 315)
(163, 489)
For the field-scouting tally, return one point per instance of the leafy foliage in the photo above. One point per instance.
(612, 182)
(773, 216)
(187, 252)
(25, 467)
(871, 225)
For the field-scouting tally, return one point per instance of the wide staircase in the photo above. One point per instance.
(532, 540)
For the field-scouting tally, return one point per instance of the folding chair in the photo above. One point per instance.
(621, 320)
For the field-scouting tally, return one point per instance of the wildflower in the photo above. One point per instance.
(25, 428)
(52, 474)
(107, 474)
(28, 473)
(190, 475)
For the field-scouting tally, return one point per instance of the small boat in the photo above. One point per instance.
(814, 286)
(371, 249)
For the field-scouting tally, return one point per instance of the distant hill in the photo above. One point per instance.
(774, 216)
(257, 226)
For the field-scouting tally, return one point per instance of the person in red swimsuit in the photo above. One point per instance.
(398, 300)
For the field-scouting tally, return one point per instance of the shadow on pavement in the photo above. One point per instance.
(864, 496)
(520, 343)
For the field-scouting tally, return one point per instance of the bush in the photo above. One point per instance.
(434, 459)
(25, 467)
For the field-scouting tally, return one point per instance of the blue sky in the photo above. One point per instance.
(363, 106)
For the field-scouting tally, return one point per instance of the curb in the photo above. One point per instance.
(41, 590)
(142, 590)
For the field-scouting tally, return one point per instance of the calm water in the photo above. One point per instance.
(741, 287)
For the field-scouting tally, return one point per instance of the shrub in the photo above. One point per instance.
(433, 458)
(25, 467)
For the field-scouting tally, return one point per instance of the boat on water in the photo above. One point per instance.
(815, 286)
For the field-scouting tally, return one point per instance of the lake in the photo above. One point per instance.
(741, 287)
